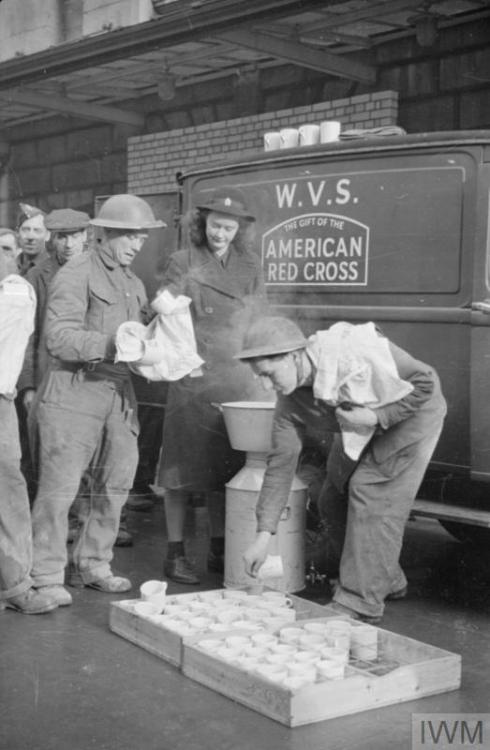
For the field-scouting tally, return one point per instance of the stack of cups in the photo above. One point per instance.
(309, 135)
(154, 594)
(364, 642)
(329, 131)
(272, 141)
(289, 138)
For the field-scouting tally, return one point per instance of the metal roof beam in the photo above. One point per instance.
(387, 8)
(298, 54)
(76, 109)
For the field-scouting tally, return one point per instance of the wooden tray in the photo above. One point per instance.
(405, 670)
(167, 644)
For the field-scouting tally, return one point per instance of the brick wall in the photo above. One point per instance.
(154, 159)
(53, 168)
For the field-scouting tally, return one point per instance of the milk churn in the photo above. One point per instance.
(249, 426)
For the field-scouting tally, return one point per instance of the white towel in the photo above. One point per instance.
(166, 348)
(17, 307)
(354, 364)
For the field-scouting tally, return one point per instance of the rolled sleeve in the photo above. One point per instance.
(282, 461)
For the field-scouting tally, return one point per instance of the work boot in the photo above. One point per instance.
(395, 595)
(58, 593)
(31, 602)
(180, 570)
(341, 609)
(110, 584)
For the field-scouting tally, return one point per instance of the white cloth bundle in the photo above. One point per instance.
(17, 308)
(166, 348)
(354, 365)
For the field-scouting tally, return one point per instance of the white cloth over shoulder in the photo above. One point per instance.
(166, 348)
(354, 364)
(17, 308)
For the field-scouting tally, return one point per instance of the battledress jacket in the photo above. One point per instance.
(25, 262)
(196, 454)
(88, 300)
(401, 424)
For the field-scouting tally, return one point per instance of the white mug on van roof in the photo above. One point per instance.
(329, 131)
(309, 135)
(289, 137)
(272, 140)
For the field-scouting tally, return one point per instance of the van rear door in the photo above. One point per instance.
(391, 233)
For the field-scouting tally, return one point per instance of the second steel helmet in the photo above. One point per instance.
(126, 211)
(271, 335)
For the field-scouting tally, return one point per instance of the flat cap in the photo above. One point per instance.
(66, 220)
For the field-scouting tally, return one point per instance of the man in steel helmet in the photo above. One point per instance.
(366, 498)
(87, 408)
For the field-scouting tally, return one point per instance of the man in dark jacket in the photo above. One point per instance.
(68, 230)
(33, 236)
(87, 410)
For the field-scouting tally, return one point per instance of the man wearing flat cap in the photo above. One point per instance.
(33, 236)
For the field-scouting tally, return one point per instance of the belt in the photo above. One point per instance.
(98, 371)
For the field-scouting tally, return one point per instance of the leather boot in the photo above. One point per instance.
(57, 593)
(31, 602)
(180, 570)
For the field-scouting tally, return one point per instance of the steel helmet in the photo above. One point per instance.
(271, 335)
(126, 211)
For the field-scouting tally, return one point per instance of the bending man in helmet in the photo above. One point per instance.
(87, 408)
(387, 410)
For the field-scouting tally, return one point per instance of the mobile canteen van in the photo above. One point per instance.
(394, 230)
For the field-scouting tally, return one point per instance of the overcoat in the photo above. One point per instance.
(36, 360)
(196, 454)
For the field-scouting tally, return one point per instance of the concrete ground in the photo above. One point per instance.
(68, 683)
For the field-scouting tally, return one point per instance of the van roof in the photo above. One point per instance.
(369, 144)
